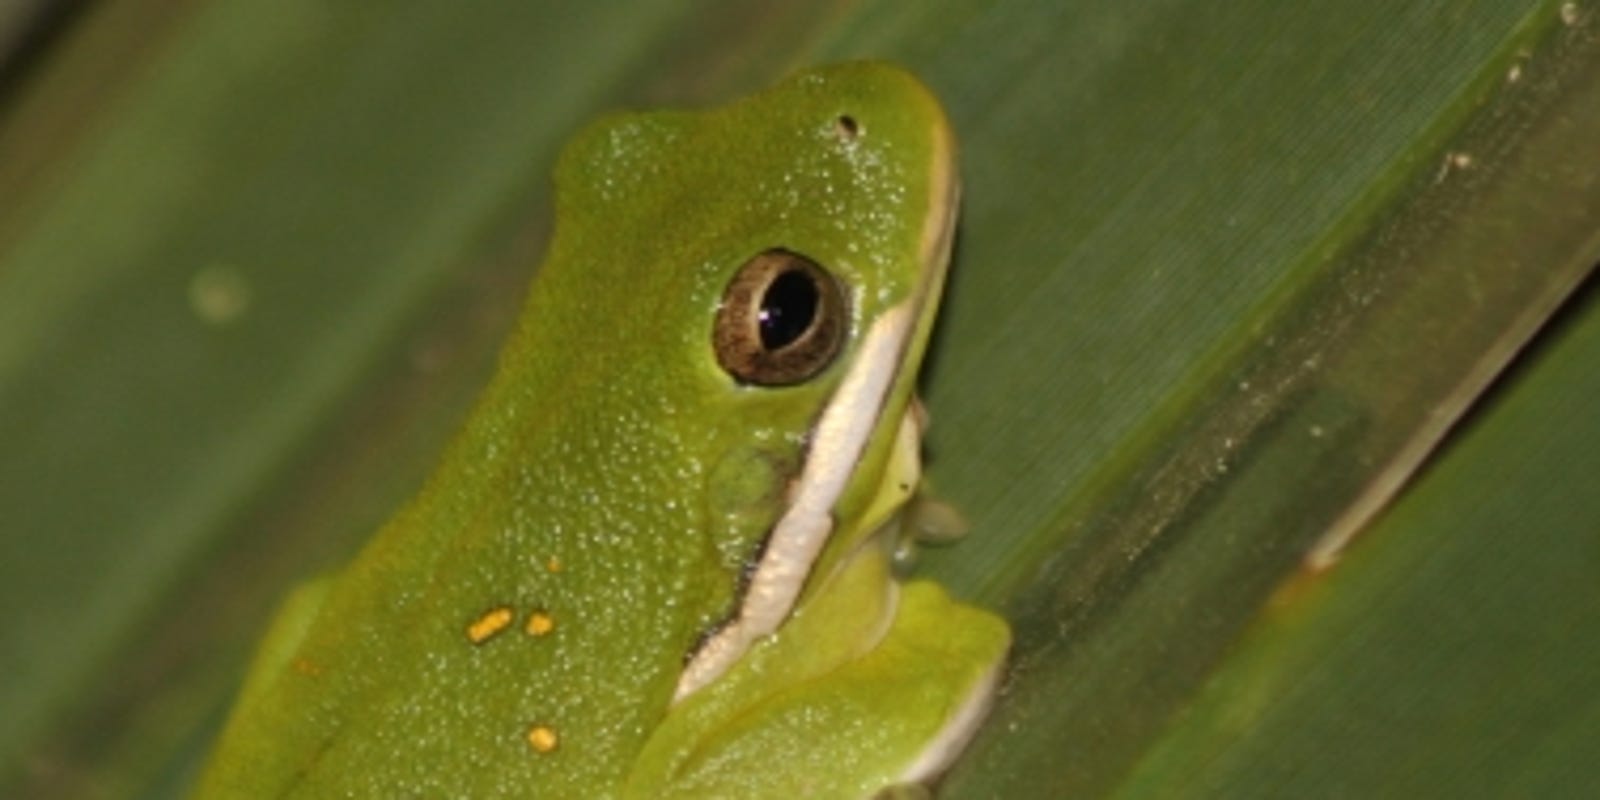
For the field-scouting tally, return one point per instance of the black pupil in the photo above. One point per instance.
(787, 309)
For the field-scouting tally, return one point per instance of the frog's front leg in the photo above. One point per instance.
(872, 684)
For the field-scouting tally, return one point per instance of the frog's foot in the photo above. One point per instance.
(922, 518)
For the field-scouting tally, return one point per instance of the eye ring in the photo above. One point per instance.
(782, 320)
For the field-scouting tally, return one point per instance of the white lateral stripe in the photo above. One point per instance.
(797, 539)
(836, 446)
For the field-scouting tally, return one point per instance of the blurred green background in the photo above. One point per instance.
(1266, 374)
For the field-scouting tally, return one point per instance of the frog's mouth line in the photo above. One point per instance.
(838, 442)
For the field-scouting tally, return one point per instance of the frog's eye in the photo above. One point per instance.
(782, 320)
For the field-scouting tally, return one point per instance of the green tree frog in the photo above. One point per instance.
(656, 561)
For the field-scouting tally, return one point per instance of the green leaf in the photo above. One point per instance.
(1227, 276)
(1451, 651)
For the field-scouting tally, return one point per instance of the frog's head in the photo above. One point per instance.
(797, 241)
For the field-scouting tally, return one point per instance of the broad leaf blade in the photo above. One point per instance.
(1223, 279)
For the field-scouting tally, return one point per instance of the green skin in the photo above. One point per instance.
(616, 478)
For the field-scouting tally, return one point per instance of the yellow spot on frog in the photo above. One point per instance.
(553, 565)
(491, 623)
(540, 623)
(542, 738)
